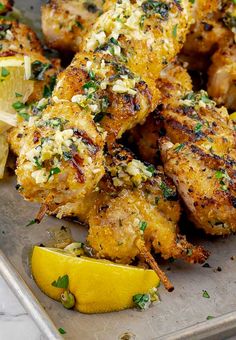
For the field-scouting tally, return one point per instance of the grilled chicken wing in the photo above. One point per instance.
(135, 202)
(64, 23)
(206, 183)
(222, 77)
(116, 97)
(145, 35)
(61, 158)
(201, 158)
(212, 28)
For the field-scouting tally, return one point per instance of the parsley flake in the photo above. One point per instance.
(61, 282)
(205, 294)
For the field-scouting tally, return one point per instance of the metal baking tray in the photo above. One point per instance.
(181, 314)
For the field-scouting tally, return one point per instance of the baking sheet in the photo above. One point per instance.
(169, 319)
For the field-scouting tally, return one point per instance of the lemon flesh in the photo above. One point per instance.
(13, 87)
(233, 116)
(98, 285)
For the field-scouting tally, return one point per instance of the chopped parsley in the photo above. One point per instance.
(90, 85)
(32, 222)
(174, 31)
(4, 72)
(142, 225)
(61, 330)
(205, 294)
(222, 176)
(61, 282)
(78, 24)
(151, 7)
(18, 95)
(179, 147)
(210, 317)
(151, 169)
(198, 128)
(53, 171)
(2, 7)
(167, 192)
(142, 301)
(3, 30)
(38, 70)
(47, 91)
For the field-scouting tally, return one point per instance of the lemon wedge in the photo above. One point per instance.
(98, 286)
(233, 116)
(15, 85)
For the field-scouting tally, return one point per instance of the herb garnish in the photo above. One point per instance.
(142, 225)
(53, 171)
(151, 7)
(61, 330)
(61, 282)
(38, 70)
(142, 301)
(205, 294)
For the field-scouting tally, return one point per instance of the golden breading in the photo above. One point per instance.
(61, 158)
(174, 80)
(64, 23)
(117, 98)
(222, 77)
(207, 184)
(137, 202)
(5, 6)
(17, 38)
(144, 34)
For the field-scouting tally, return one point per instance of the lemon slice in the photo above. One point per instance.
(97, 285)
(233, 116)
(15, 86)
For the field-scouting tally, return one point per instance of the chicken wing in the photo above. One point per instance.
(222, 77)
(145, 35)
(61, 158)
(136, 201)
(64, 23)
(213, 28)
(207, 184)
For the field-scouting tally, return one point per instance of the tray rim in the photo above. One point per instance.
(28, 299)
(211, 329)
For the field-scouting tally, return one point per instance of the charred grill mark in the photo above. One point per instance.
(76, 162)
(212, 160)
(174, 124)
(87, 140)
(144, 90)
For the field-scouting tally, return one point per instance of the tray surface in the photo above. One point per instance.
(183, 308)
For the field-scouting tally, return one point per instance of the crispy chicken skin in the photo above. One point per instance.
(61, 158)
(116, 97)
(143, 34)
(173, 81)
(222, 76)
(211, 30)
(137, 202)
(5, 6)
(17, 38)
(200, 154)
(64, 23)
(207, 184)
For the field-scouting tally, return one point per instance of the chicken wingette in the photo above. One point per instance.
(61, 158)
(64, 23)
(213, 27)
(200, 154)
(207, 184)
(116, 97)
(222, 76)
(135, 202)
(144, 34)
